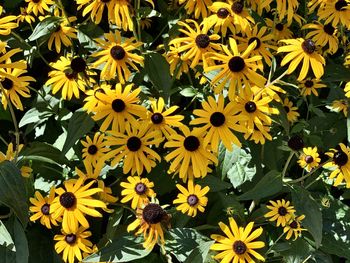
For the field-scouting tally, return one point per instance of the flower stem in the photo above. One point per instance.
(308, 174)
(274, 243)
(287, 164)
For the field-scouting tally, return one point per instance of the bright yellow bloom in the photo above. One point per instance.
(309, 159)
(294, 227)
(7, 23)
(292, 114)
(281, 211)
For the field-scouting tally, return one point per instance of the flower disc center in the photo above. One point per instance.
(192, 200)
(45, 209)
(202, 40)
(236, 64)
(309, 46)
(118, 105)
(239, 247)
(153, 213)
(134, 144)
(140, 188)
(217, 119)
(70, 238)
(157, 118)
(68, 200)
(250, 106)
(191, 143)
(117, 52)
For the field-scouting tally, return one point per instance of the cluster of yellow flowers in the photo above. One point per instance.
(230, 52)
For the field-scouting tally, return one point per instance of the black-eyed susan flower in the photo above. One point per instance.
(95, 149)
(309, 159)
(63, 34)
(7, 23)
(335, 12)
(281, 211)
(339, 106)
(149, 221)
(189, 153)
(41, 208)
(138, 190)
(293, 227)
(196, 43)
(287, 9)
(253, 110)
(11, 154)
(323, 35)
(159, 118)
(63, 77)
(92, 101)
(72, 244)
(279, 30)
(177, 64)
(119, 107)
(241, 17)
(316, 4)
(15, 87)
(222, 18)
(117, 56)
(134, 147)
(5, 60)
(197, 7)
(310, 86)
(73, 202)
(191, 199)
(302, 51)
(236, 69)
(271, 90)
(262, 48)
(39, 6)
(339, 165)
(219, 123)
(259, 134)
(292, 113)
(24, 16)
(260, 5)
(239, 244)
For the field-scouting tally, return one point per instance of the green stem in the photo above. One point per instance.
(18, 37)
(278, 239)
(38, 50)
(43, 98)
(3, 140)
(287, 164)
(308, 174)
(14, 120)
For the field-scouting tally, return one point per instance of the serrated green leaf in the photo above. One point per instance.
(13, 191)
(45, 27)
(306, 205)
(269, 185)
(120, 249)
(79, 125)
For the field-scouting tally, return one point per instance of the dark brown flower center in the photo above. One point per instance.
(7, 84)
(237, 7)
(296, 143)
(217, 119)
(157, 118)
(118, 105)
(68, 200)
(309, 83)
(92, 149)
(140, 188)
(45, 209)
(202, 40)
(134, 144)
(250, 106)
(258, 42)
(236, 64)
(239, 247)
(222, 13)
(309, 159)
(117, 52)
(153, 213)
(329, 29)
(286, 108)
(70, 238)
(191, 143)
(282, 211)
(340, 158)
(293, 225)
(308, 46)
(78, 64)
(339, 5)
(192, 200)
(279, 26)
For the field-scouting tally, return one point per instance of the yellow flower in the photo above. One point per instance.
(279, 30)
(292, 114)
(41, 208)
(287, 9)
(294, 227)
(10, 156)
(138, 190)
(198, 7)
(116, 56)
(339, 106)
(241, 18)
(309, 86)
(281, 211)
(175, 60)
(191, 199)
(300, 50)
(72, 243)
(39, 6)
(259, 134)
(24, 16)
(150, 218)
(95, 149)
(347, 89)
(7, 23)
(239, 244)
(221, 19)
(336, 12)
(73, 202)
(62, 35)
(309, 159)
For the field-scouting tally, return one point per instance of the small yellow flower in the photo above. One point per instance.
(281, 211)
(309, 159)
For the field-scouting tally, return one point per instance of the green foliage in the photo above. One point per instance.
(45, 28)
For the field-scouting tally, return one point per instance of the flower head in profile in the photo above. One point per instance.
(41, 208)
(309, 159)
(63, 35)
(239, 243)
(280, 211)
(339, 106)
(39, 6)
(72, 244)
(150, 221)
(197, 7)
(241, 17)
(191, 199)
(292, 113)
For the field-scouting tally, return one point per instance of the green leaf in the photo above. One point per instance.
(145, 12)
(335, 72)
(45, 27)
(299, 250)
(215, 184)
(120, 249)
(5, 238)
(269, 185)
(234, 165)
(188, 91)
(80, 124)
(182, 242)
(87, 33)
(13, 190)
(199, 253)
(306, 205)
(158, 71)
(34, 116)
(21, 243)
